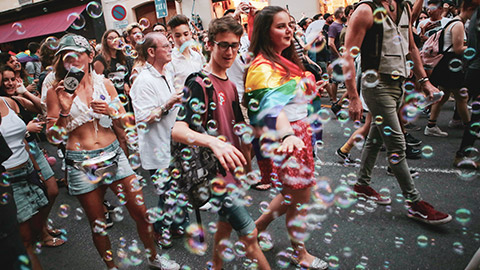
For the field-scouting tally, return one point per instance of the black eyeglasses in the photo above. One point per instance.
(225, 45)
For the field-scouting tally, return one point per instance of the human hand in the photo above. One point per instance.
(355, 108)
(35, 126)
(174, 99)
(291, 143)
(228, 156)
(429, 89)
(101, 107)
(126, 88)
(32, 87)
(64, 99)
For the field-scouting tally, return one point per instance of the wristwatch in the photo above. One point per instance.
(164, 110)
(423, 80)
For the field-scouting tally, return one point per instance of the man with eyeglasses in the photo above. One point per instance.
(224, 40)
(153, 98)
(186, 59)
(436, 22)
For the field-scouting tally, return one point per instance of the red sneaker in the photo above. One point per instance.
(369, 193)
(425, 212)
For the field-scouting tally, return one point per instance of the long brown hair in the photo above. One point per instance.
(262, 43)
(105, 51)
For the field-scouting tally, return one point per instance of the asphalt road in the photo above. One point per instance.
(356, 236)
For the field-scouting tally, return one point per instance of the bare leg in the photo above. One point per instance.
(52, 192)
(275, 209)
(138, 213)
(461, 102)
(92, 203)
(363, 131)
(299, 196)
(30, 230)
(438, 106)
(224, 229)
(253, 250)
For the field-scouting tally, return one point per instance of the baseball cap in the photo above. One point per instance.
(73, 43)
(326, 15)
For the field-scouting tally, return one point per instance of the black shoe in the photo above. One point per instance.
(412, 153)
(413, 173)
(412, 127)
(336, 107)
(108, 220)
(412, 141)
(109, 206)
(347, 160)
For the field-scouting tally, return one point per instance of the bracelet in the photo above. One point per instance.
(287, 135)
(164, 110)
(64, 115)
(423, 80)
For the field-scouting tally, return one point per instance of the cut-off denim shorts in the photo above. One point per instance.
(81, 183)
(28, 197)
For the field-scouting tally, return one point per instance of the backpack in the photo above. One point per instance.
(193, 174)
(432, 51)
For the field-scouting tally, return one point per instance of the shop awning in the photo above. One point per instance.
(38, 26)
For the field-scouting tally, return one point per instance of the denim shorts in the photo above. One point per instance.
(28, 197)
(80, 183)
(236, 215)
(45, 168)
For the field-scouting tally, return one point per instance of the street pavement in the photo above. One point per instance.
(349, 235)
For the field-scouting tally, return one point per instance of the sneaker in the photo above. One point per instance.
(347, 160)
(206, 207)
(108, 220)
(412, 141)
(163, 263)
(463, 162)
(336, 107)
(369, 193)
(413, 173)
(425, 212)
(455, 124)
(412, 153)
(434, 131)
(412, 127)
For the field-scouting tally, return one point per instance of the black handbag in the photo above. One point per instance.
(193, 167)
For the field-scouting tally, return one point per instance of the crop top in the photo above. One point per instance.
(80, 113)
(13, 130)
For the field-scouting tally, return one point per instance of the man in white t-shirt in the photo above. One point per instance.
(186, 58)
(436, 22)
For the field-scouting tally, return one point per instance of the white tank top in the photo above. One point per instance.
(13, 130)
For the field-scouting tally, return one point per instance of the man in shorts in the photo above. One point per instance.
(224, 41)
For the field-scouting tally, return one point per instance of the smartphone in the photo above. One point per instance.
(72, 79)
(246, 10)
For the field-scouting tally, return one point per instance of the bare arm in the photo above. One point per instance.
(27, 104)
(457, 38)
(360, 22)
(418, 69)
(416, 10)
(229, 156)
(331, 44)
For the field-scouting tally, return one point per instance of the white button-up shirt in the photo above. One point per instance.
(181, 67)
(149, 91)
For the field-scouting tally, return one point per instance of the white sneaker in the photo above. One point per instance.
(435, 131)
(206, 207)
(163, 263)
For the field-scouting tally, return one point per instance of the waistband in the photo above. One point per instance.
(18, 174)
(86, 154)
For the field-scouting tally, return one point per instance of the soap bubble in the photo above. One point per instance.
(18, 28)
(78, 21)
(94, 10)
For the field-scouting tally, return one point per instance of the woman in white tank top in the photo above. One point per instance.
(448, 75)
(94, 128)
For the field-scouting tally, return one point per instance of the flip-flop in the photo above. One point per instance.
(54, 232)
(261, 187)
(53, 242)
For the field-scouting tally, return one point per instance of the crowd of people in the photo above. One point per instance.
(213, 101)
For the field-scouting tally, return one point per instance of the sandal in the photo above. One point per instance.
(54, 232)
(317, 264)
(262, 187)
(53, 242)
